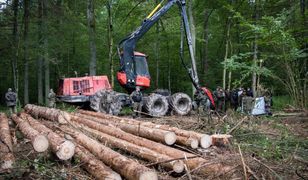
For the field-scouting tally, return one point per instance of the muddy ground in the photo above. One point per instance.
(271, 147)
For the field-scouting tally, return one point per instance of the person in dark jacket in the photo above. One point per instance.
(234, 99)
(11, 100)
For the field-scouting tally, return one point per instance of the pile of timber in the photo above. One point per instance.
(6, 145)
(96, 138)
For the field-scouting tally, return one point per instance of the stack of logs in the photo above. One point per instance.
(92, 138)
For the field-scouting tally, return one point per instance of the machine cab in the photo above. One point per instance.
(140, 70)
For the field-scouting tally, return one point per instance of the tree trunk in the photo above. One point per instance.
(157, 52)
(91, 29)
(113, 131)
(45, 49)
(40, 57)
(255, 53)
(5, 134)
(193, 36)
(26, 53)
(63, 148)
(110, 41)
(220, 139)
(48, 113)
(15, 47)
(206, 40)
(202, 138)
(139, 151)
(157, 135)
(226, 53)
(6, 158)
(39, 142)
(128, 168)
(95, 167)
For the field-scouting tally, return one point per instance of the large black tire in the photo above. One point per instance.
(107, 101)
(180, 103)
(155, 105)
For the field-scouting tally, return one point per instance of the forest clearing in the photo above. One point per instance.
(258, 148)
(153, 89)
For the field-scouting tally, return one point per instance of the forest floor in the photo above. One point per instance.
(271, 147)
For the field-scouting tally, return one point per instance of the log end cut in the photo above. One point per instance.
(7, 161)
(170, 138)
(40, 143)
(205, 141)
(148, 175)
(178, 166)
(194, 143)
(66, 150)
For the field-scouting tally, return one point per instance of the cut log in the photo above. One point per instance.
(39, 142)
(128, 168)
(63, 148)
(95, 167)
(103, 118)
(48, 113)
(139, 151)
(159, 135)
(5, 135)
(6, 157)
(221, 139)
(160, 148)
(188, 142)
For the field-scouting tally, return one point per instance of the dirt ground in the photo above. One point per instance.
(271, 147)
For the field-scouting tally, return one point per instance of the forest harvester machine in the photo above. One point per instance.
(134, 77)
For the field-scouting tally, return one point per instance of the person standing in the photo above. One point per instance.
(52, 99)
(11, 100)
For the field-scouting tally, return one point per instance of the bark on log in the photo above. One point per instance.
(5, 135)
(128, 168)
(39, 142)
(6, 157)
(221, 139)
(213, 168)
(187, 141)
(48, 113)
(56, 115)
(95, 167)
(157, 135)
(139, 151)
(202, 138)
(63, 148)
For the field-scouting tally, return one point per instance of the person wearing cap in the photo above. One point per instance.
(11, 100)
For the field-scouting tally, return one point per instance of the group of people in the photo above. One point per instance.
(225, 99)
(11, 100)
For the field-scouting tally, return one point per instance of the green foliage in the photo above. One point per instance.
(279, 30)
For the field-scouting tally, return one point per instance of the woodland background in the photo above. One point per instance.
(238, 43)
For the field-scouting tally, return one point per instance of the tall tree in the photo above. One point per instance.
(40, 57)
(110, 40)
(255, 52)
(16, 46)
(224, 78)
(157, 52)
(26, 51)
(45, 49)
(193, 34)
(91, 29)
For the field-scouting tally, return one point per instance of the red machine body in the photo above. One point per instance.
(79, 89)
